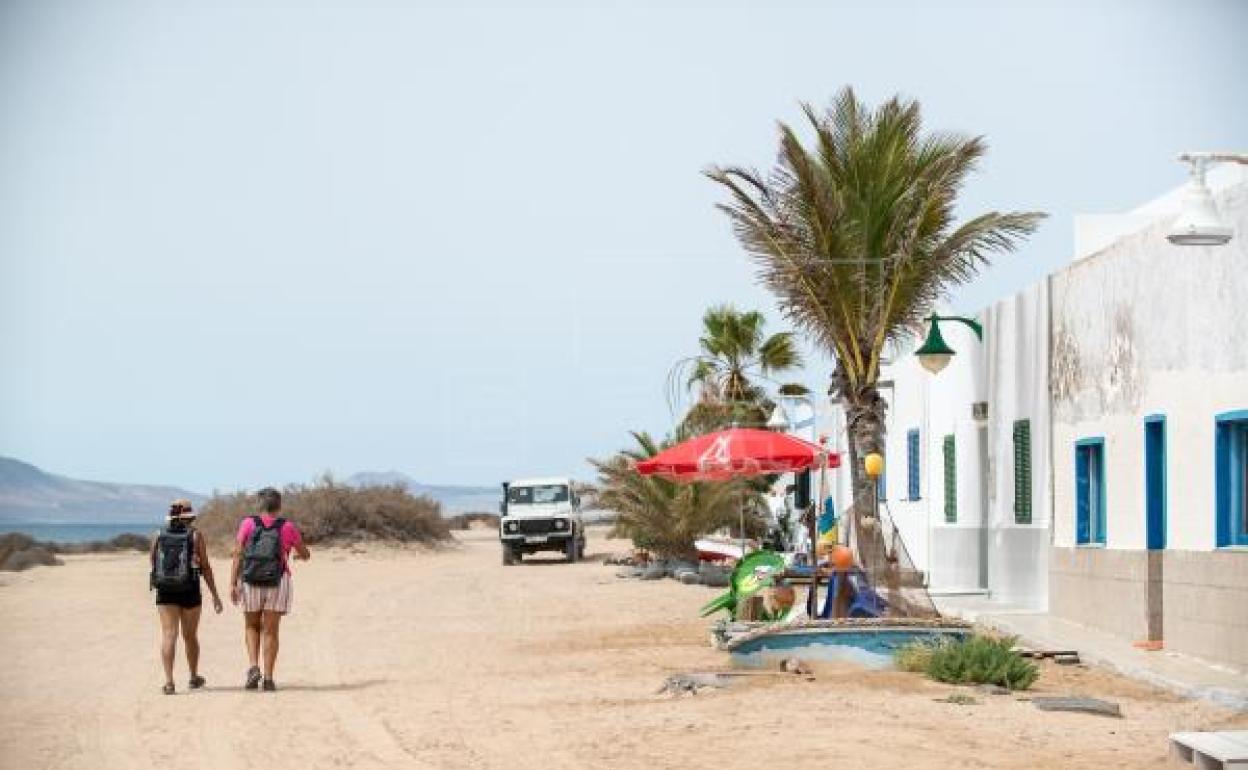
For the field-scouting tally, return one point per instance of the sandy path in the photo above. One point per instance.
(450, 660)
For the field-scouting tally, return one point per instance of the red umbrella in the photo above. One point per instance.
(742, 452)
(736, 452)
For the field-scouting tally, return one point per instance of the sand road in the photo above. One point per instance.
(407, 658)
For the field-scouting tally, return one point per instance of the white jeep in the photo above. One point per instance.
(540, 515)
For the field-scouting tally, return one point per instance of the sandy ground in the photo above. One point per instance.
(404, 658)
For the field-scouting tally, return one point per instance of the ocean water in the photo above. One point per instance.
(77, 532)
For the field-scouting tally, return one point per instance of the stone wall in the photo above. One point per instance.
(1206, 605)
(1101, 588)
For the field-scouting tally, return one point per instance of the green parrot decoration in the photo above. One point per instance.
(752, 574)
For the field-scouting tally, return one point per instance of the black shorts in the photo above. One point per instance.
(186, 599)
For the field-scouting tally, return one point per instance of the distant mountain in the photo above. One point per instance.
(28, 494)
(454, 499)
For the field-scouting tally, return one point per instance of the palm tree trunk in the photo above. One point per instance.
(865, 412)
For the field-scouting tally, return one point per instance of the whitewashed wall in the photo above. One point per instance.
(1016, 349)
(1140, 328)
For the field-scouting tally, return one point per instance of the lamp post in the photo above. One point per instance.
(935, 353)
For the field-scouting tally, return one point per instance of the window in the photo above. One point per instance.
(1231, 478)
(1090, 491)
(951, 479)
(912, 464)
(1155, 482)
(1022, 471)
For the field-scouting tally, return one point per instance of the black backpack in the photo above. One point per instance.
(262, 556)
(173, 566)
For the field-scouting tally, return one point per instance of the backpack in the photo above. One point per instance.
(173, 566)
(262, 556)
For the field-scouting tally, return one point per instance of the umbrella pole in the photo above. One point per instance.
(741, 530)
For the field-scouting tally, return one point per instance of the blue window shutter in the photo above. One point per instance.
(1082, 491)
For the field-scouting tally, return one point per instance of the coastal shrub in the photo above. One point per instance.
(328, 512)
(979, 659)
(36, 556)
(19, 551)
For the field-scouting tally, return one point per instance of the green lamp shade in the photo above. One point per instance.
(935, 353)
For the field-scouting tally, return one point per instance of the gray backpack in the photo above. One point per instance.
(173, 564)
(262, 556)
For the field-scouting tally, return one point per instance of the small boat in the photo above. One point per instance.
(710, 549)
(867, 641)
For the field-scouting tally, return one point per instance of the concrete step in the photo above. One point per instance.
(1226, 750)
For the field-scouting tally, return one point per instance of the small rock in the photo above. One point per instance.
(691, 684)
(795, 666)
(1080, 705)
(958, 699)
(689, 578)
(993, 689)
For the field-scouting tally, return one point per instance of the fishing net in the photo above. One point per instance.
(885, 561)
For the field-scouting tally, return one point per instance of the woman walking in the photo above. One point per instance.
(260, 582)
(179, 559)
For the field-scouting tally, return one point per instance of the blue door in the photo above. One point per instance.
(1155, 481)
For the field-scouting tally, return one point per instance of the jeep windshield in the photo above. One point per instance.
(538, 495)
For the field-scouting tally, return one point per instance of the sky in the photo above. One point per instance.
(244, 243)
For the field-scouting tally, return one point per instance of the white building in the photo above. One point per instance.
(1104, 476)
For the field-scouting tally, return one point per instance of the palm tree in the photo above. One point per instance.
(664, 516)
(856, 236)
(734, 353)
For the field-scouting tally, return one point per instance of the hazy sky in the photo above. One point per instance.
(242, 243)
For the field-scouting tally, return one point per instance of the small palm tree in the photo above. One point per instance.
(856, 236)
(735, 353)
(664, 516)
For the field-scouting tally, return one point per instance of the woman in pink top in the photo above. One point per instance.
(264, 605)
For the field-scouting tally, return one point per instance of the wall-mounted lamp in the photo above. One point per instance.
(935, 353)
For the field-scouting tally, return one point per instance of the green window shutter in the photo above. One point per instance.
(1022, 471)
(951, 479)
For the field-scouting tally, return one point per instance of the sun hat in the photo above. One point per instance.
(181, 509)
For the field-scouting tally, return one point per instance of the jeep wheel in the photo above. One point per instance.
(571, 549)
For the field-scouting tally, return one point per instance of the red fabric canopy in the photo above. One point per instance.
(736, 452)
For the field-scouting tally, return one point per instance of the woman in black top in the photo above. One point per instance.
(180, 609)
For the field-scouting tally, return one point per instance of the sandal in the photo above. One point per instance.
(197, 682)
(253, 678)
(169, 689)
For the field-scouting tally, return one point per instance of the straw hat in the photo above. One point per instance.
(181, 509)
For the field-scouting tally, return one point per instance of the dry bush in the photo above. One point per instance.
(327, 512)
(467, 520)
(19, 552)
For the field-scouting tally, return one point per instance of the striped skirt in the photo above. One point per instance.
(276, 598)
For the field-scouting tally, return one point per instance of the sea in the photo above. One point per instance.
(76, 532)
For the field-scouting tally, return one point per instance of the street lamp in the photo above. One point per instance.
(1199, 223)
(935, 353)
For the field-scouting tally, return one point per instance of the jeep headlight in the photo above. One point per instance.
(561, 523)
(511, 526)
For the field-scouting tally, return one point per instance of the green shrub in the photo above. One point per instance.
(916, 656)
(976, 660)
